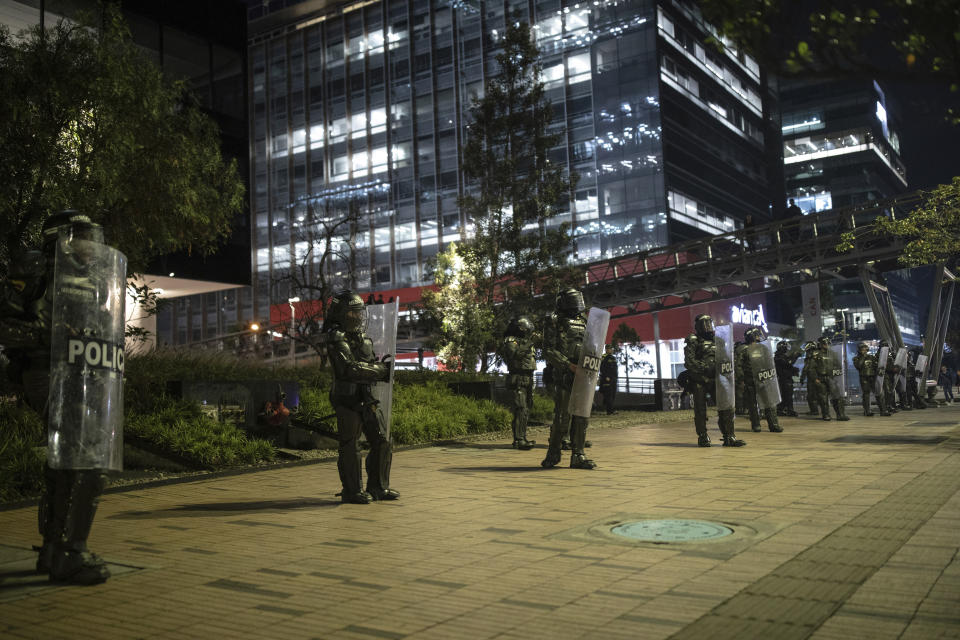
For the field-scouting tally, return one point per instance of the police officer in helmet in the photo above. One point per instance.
(519, 354)
(704, 367)
(355, 369)
(72, 491)
(562, 348)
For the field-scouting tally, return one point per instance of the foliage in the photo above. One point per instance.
(466, 326)
(181, 427)
(90, 123)
(518, 248)
(931, 231)
(542, 410)
(315, 405)
(23, 439)
(627, 336)
(427, 412)
(914, 40)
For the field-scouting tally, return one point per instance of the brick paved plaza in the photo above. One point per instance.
(841, 530)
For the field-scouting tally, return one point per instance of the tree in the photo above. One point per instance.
(327, 231)
(90, 123)
(623, 340)
(916, 41)
(465, 324)
(517, 251)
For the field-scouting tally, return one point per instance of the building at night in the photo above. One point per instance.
(203, 43)
(359, 110)
(841, 148)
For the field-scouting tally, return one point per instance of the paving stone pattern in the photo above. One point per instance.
(841, 530)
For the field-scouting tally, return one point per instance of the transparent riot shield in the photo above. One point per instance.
(382, 322)
(838, 379)
(588, 369)
(764, 373)
(922, 372)
(726, 391)
(900, 382)
(882, 357)
(85, 423)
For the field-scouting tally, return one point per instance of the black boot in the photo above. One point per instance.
(71, 561)
(703, 440)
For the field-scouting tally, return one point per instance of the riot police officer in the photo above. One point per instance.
(785, 359)
(829, 381)
(706, 359)
(890, 373)
(914, 399)
(867, 366)
(355, 369)
(54, 301)
(811, 356)
(756, 369)
(562, 348)
(519, 354)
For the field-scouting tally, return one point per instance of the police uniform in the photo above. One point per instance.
(563, 348)
(519, 354)
(785, 359)
(355, 369)
(69, 502)
(746, 373)
(700, 360)
(868, 367)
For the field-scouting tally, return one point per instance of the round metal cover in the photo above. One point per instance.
(671, 530)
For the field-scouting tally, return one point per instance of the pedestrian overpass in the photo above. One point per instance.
(779, 255)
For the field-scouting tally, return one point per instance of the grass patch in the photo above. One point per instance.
(183, 430)
(430, 411)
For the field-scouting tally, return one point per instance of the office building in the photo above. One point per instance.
(360, 109)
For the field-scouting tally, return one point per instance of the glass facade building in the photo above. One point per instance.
(358, 111)
(840, 144)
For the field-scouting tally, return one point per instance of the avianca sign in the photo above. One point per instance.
(752, 317)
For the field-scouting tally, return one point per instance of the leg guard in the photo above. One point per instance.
(578, 436)
(700, 410)
(773, 424)
(71, 561)
(559, 430)
(380, 457)
(348, 458)
(725, 420)
(839, 408)
(50, 519)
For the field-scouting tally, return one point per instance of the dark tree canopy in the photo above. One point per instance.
(90, 123)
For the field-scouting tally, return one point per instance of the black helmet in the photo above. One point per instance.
(824, 341)
(753, 334)
(703, 326)
(570, 302)
(347, 310)
(520, 327)
(783, 345)
(73, 223)
(809, 345)
(863, 346)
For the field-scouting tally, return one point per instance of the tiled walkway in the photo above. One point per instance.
(841, 530)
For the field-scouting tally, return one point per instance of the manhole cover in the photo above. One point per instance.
(671, 530)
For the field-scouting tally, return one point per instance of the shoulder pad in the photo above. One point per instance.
(692, 338)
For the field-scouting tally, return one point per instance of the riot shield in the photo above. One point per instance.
(882, 357)
(764, 373)
(588, 369)
(838, 379)
(726, 390)
(922, 372)
(382, 322)
(85, 423)
(901, 359)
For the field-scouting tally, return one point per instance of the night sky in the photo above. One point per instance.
(930, 147)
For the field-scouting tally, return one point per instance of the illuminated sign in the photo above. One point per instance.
(752, 317)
